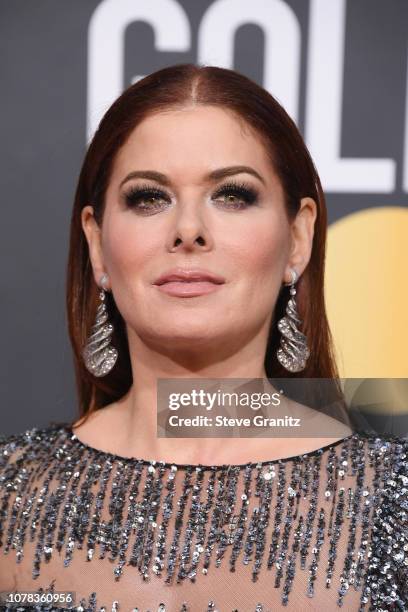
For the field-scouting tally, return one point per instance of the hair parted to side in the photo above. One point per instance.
(171, 88)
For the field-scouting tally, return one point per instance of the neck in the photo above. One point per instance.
(139, 406)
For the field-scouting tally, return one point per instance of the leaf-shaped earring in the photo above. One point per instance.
(293, 352)
(98, 354)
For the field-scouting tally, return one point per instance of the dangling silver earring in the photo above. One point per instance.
(293, 352)
(98, 354)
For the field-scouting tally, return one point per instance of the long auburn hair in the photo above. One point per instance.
(175, 87)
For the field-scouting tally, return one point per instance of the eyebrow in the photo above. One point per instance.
(212, 176)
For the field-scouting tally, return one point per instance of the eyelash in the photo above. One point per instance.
(135, 195)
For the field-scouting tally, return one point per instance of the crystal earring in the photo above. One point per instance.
(293, 352)
(98, 354)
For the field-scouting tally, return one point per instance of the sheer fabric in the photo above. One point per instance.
(312, 532)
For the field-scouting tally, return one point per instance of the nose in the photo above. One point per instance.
(189, 231)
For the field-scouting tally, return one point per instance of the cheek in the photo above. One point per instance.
(260, 250)
(127, 247)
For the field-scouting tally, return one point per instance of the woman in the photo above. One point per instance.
(199, 221)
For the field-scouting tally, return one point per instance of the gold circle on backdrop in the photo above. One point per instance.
(366, 292)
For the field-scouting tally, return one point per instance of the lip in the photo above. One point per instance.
(188, 282)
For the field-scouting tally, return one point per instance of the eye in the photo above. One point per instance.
(146, 199)
(236, 196)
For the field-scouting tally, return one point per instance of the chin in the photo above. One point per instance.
(184, 333)
(184, 330)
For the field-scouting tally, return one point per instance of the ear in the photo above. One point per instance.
(93, 236)
(302, 232)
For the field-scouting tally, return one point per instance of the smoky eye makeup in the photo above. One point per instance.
(232, 195)
(237, 193)
(145, 198)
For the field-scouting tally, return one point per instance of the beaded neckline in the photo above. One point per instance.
(115, 457)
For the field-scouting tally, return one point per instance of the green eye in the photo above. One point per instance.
(145, 199)
(237, 195)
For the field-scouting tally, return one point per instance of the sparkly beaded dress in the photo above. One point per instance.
(317, 531)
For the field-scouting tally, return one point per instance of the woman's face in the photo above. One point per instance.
(234, 226)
